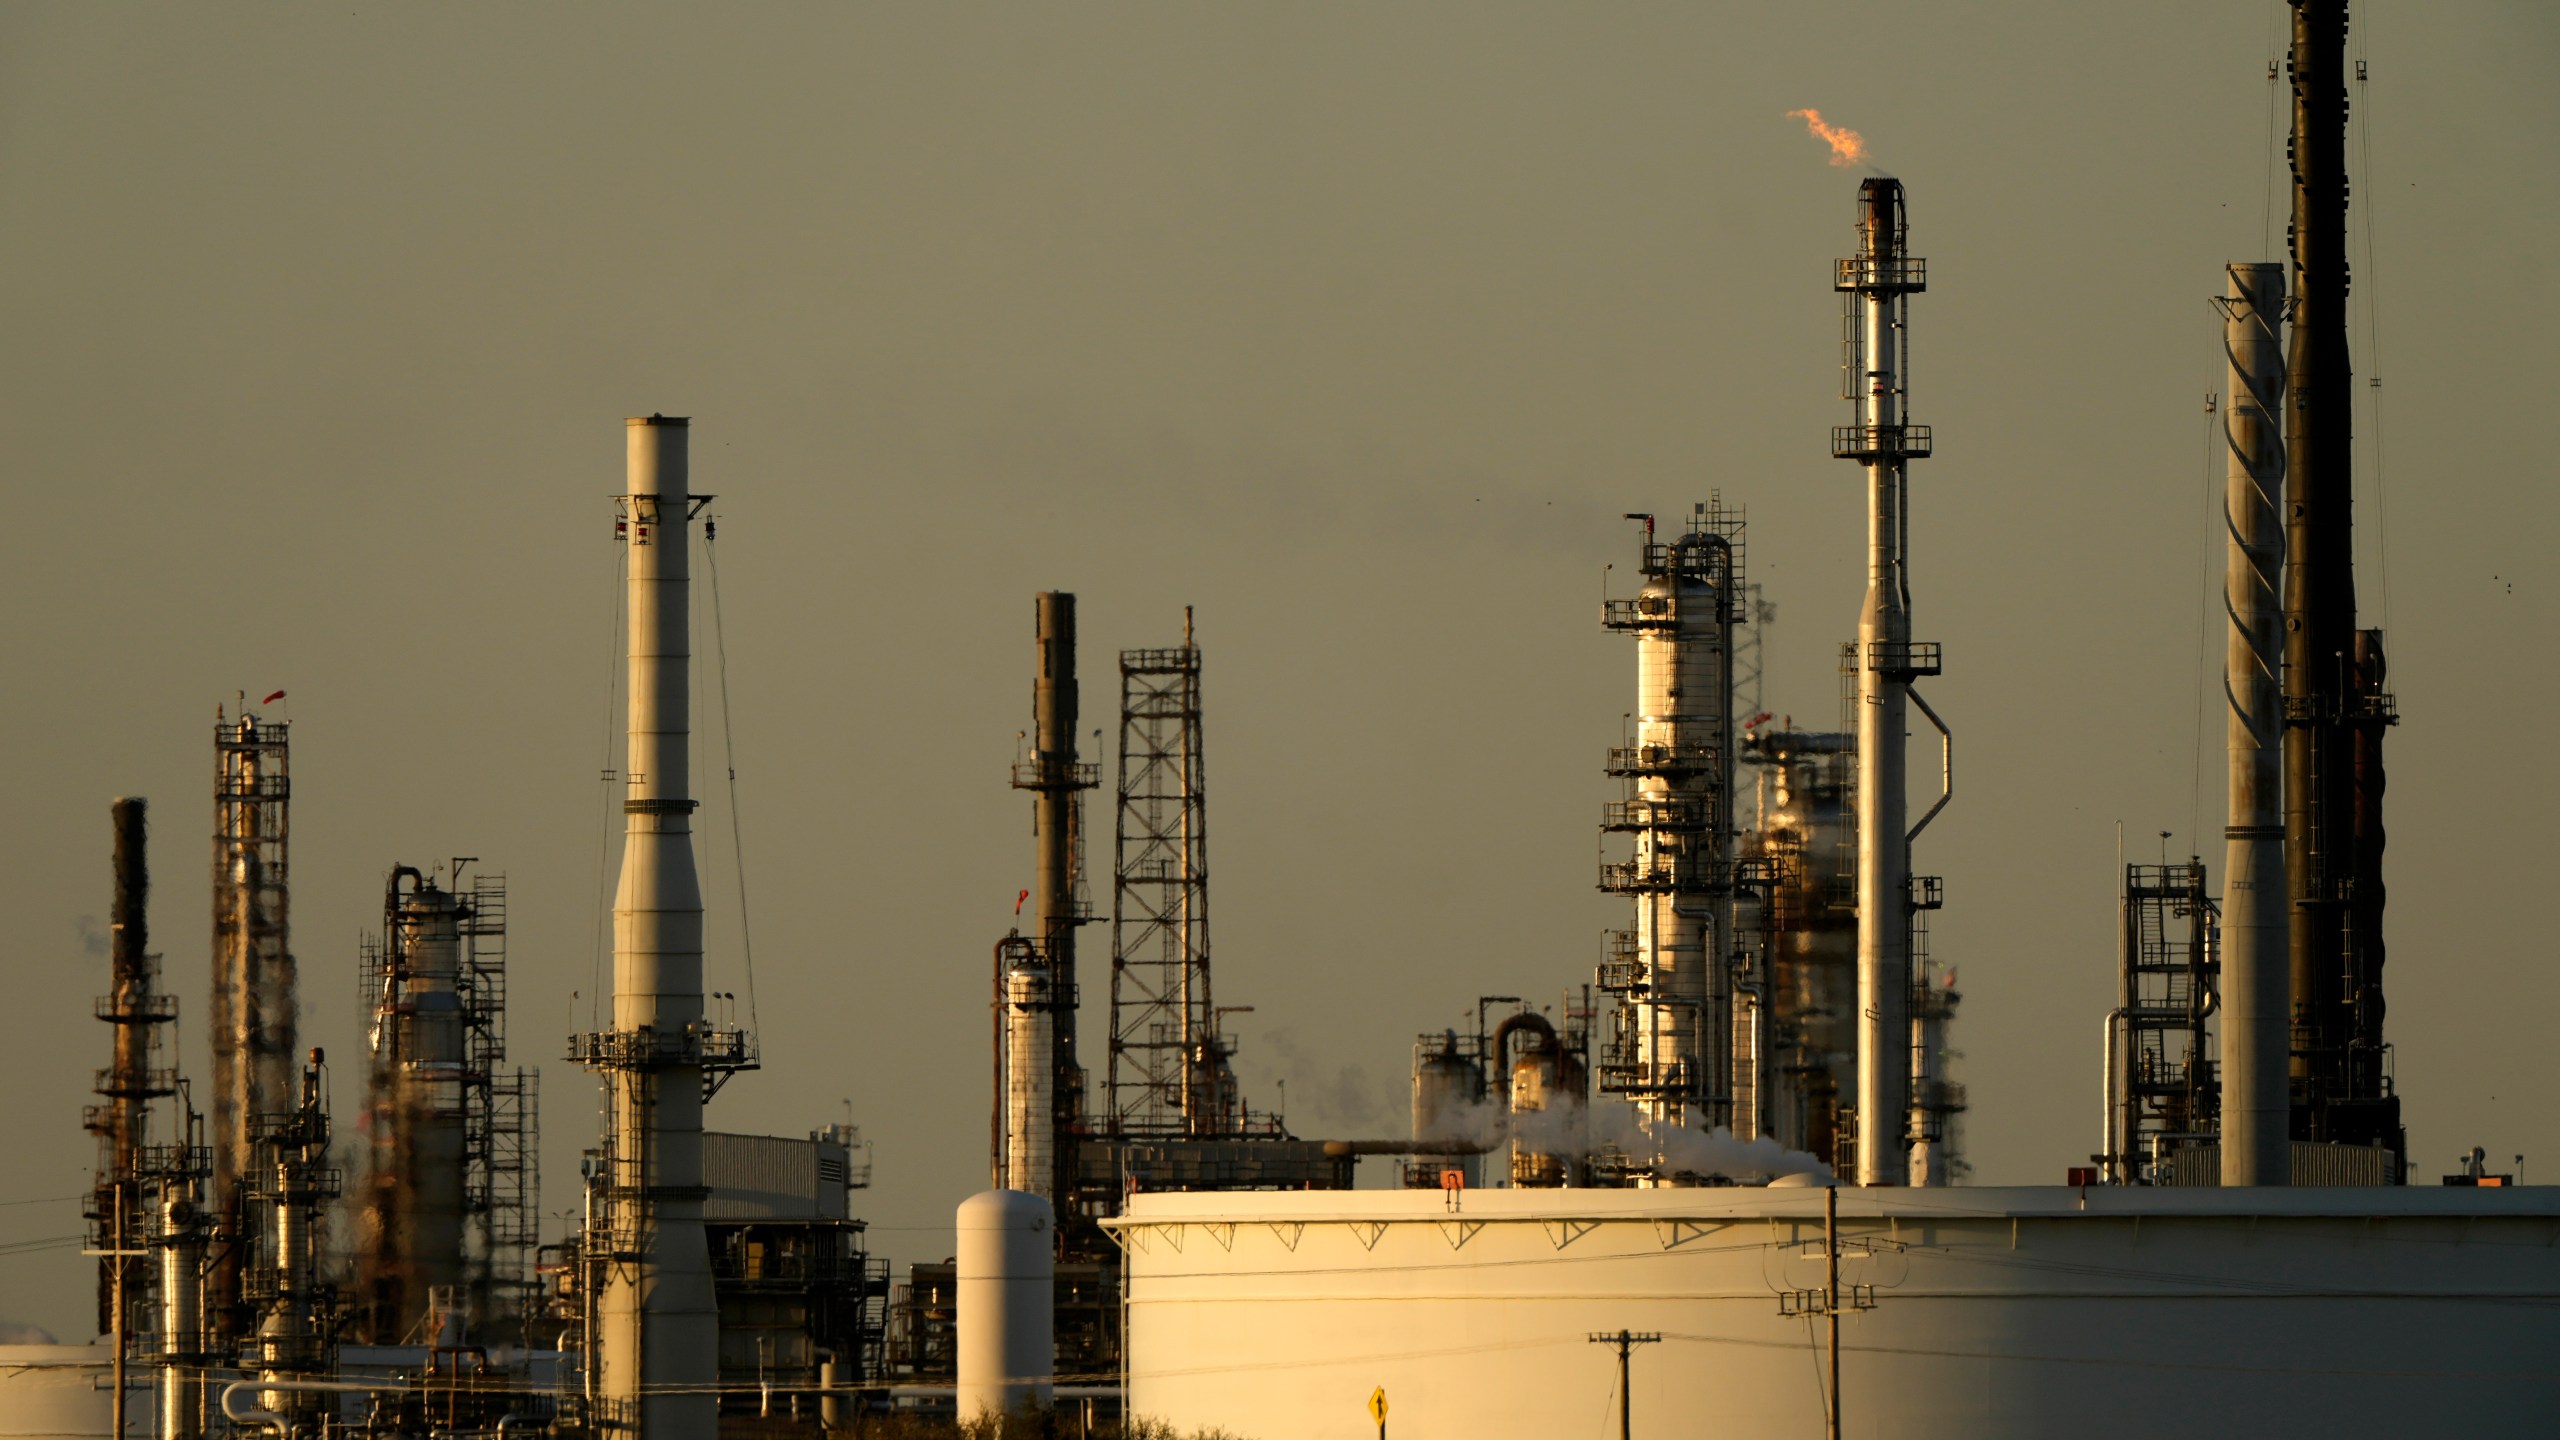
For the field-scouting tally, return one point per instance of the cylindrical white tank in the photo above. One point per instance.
(1006, 1278)
(63, 1392)
(2018, 1314)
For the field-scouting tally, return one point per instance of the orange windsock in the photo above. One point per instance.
(1848, 147)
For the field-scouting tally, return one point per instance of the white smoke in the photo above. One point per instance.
(1573, 1132)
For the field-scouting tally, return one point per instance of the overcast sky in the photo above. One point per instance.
(1357, 327)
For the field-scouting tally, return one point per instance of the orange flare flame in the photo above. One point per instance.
(1848, 147)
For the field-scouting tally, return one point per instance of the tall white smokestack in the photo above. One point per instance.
(2256, 984)
(657, 1324)
(1877, 281)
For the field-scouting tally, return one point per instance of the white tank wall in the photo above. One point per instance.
(2011, 1312)
(63, 1392)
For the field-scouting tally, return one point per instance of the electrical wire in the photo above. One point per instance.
(2204, 631)
(729, 746)
(2267, 227)
(606, 775)
(2372, 310)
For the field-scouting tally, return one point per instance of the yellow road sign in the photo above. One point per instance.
(1378, 1404)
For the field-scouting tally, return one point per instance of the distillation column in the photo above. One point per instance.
(2255, 980)
(1672, 1054)
(415, 1206)
(658, 1326)
(251, 1020)
(295, 1183)
(1877, 282)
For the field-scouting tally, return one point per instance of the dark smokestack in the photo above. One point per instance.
(2340, 1085)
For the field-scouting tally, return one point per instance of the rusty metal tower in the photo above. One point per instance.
(1169, 1070)
(252, 1020)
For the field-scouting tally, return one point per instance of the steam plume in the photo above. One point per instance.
(1571, 1131)
(1848, 147)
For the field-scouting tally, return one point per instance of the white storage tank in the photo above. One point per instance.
(1972, 1313)
(65, 1392)
(1005, 1275)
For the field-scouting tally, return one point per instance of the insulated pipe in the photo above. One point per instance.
(2255, 981)
(659, 1361)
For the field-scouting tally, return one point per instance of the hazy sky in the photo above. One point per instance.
(1357, 326)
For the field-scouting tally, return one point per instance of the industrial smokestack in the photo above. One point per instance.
(657, 1323)
(2255, 977)
(1877, 282)
(1037, 979)
(2341, 1084)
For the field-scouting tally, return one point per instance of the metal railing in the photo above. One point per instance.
(1904, 659)
(1880, 442)
(1667, 761)
(1867, 272)
(705, 1047)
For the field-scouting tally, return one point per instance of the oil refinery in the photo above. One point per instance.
(1718, 1168)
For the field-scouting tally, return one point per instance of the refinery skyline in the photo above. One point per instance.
(1356, 330)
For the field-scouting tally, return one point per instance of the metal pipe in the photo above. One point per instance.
(279, 1423)
(2109, 1154)
(1946, 764)
(2254, 967)
(1337, 1149)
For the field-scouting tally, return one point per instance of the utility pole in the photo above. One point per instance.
(1829, 1301)
(1831, 1292)
(1626, 1341)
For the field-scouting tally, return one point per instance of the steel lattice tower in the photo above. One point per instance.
(1168, 1063)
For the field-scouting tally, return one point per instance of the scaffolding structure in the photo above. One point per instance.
(2168, 1091)
(1169, 1062)
(502, 1110)
(251, 1022)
